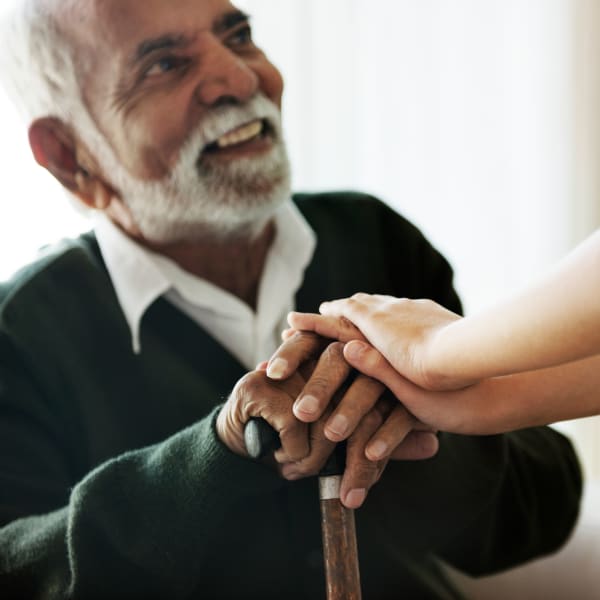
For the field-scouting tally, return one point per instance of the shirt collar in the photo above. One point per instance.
(136, 279)
(141, 276)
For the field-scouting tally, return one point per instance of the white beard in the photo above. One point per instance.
(200, 199)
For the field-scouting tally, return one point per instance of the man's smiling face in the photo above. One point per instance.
(190, 108)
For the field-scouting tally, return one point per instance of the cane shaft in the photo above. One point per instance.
(337, 522)
(339, 543)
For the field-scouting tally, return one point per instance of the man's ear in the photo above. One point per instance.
(55, 148)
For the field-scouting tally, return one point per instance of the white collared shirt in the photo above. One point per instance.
(141, 276)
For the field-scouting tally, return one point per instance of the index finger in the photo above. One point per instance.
(334, 327)
(357, 309)
(293, 352)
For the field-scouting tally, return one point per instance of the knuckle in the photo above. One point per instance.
(297, 455)
(307, 467)
(251, 383)
(295, 336)
(299, 339)
(373, 419)
(380, 313)
(317, 385)
(304, 336)
(288, 429)
(332, 362)
(353, 304)
(365, 474)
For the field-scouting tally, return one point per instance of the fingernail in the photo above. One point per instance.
(377, 449)
(307, 405)
(323, 306)
(277, 368)
(429, 444)
(338, 425)
(354, 498)
(353, 349)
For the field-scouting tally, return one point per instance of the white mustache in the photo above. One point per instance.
(224, 119)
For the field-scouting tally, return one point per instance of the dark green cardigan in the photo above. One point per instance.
(114, 485)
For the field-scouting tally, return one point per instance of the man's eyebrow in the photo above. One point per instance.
(168, 41)
(164, 42)
(230, 20)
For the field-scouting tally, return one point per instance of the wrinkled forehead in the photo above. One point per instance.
(113, 29)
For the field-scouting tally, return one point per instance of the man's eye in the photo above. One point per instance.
(165, 64)
(241, 37)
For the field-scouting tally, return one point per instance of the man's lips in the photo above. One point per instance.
(239, 136)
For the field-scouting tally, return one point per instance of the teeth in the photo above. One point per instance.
(241, 134)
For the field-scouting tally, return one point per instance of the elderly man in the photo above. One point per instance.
(122, 470)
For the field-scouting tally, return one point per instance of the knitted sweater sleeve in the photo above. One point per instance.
(133, 527)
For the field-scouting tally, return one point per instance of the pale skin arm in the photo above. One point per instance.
(494, 405)
(491, 406)
(553, 322)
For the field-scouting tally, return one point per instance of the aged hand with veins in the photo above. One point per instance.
(341, 405)
(256, 396)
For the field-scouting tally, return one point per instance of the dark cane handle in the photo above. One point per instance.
(260, 438)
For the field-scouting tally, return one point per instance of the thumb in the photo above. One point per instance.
(371, 362)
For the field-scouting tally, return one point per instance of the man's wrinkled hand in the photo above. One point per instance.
(340, 405)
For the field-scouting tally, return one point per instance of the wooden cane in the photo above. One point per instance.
(338, 530)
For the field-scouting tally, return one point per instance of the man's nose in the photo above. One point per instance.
(225, 76)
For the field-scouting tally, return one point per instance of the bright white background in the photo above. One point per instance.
(474, 118)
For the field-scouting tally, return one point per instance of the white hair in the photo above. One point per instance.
(39, 66)
(37, 63)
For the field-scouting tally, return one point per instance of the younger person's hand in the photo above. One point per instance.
(408, 333)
